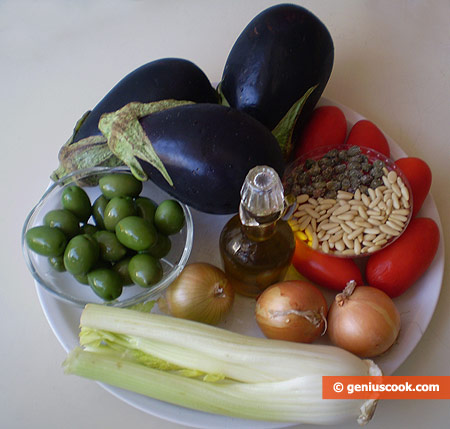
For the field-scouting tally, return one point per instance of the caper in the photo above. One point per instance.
(353, 150)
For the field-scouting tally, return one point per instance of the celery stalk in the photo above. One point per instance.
(214, 350)
(213, 370)
(295, 400)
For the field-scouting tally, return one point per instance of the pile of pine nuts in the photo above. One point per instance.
(354, 223)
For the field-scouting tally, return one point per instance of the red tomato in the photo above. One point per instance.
(325, 270)
(419, 177)
(367, 134)
(326, 127)
(398, 266)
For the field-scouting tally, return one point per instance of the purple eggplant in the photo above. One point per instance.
(208, 150)
(281, 54)
(166, 78)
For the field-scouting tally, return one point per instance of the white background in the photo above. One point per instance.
(59, 58)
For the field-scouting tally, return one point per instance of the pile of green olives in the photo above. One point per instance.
(123, 245)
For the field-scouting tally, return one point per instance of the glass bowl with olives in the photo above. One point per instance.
(100, 235)
(350, 201)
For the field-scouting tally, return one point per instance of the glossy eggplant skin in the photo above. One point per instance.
(283, 51)
(166, 78)
(208, 150)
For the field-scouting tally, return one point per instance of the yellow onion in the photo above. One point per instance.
(363, 320)
(202, 292)
(292, 310)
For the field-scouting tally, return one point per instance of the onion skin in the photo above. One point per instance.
(277, 311)
(202, 293)
(366, 323)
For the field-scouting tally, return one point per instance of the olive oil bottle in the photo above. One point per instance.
(257, 245)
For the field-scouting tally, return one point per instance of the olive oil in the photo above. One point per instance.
(256, 245)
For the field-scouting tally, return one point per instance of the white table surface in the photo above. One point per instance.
(58, 58)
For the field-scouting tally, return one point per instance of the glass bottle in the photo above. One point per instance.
(257, 245)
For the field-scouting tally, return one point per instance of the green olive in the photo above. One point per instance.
(146, 208)
(63, 219)
(81, 278)
(106, 283)
(145, 270)
(121, 267)
(98, 210)
(77, 201)
(46, 240)
(110, 248)
(81, 254)
(117, 209)
(161, 248)
(87, 228)
(57, 263)
(136, 233)
(169, 217)
(120, 185)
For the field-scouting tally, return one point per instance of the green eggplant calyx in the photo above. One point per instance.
(222, 99)
(285, 128)
(127, 139)
(90, 152)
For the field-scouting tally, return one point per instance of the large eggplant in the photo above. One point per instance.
(166, 78)
(207, 150)
(282, 53)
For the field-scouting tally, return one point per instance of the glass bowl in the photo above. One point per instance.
(331, 214)
(62, 284)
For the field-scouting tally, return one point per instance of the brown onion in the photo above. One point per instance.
(363, 320)
(201, 292)
(293, 311)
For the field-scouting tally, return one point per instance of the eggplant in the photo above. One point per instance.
(282, 53)
(166, 78)
(208, 149)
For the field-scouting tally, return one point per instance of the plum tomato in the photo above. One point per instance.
(366, 134)
(326, 127)
(419, 177)
(325, 270)
(397, 267)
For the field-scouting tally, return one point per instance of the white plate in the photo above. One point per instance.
(416, 307)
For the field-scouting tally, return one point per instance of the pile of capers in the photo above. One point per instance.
(122, 246)
(337, 170)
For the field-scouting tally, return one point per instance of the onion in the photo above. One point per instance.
(293, 311)
(201, 292)
(363, 320)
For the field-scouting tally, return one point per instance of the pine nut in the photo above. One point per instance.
(388, 230)
(392, 176)
(312, 213)
(345, 195)
(302, 198)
